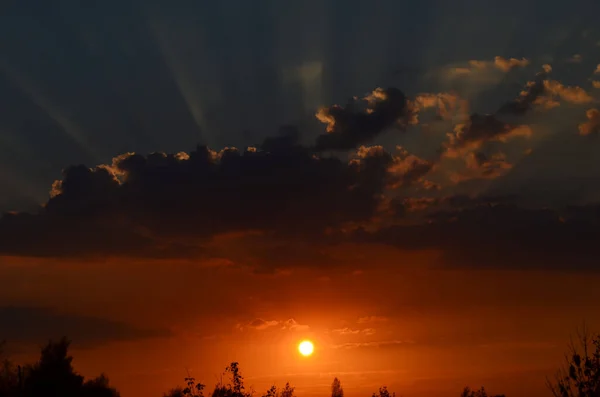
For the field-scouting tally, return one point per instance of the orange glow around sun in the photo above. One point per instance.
(306, 348)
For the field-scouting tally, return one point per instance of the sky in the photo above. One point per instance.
(413, 186)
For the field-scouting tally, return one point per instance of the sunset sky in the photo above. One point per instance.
(414, 186)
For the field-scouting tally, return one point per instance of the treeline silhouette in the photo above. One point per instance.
(53, 375)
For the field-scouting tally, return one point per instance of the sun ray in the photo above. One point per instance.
(68, 125)
(182, 75)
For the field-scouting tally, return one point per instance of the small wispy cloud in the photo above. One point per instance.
(260, 324)
(592, 125)
(350, 331)
(372, 319)
(293, 325)
(501, 63)
(257, 324)
(375, 344)
(577, 58)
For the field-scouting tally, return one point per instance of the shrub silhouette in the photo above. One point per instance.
(468, 392)
(174, 392)
(236, 386)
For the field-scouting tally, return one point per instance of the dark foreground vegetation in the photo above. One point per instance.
(54, 376)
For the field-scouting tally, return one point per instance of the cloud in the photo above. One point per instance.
(293, 325)
(544, 93)
(163, 205)
(524, 102)
(406, 168)
(285, 204)
(500, 63)
(592, 126)
(372, 345)
(577, 58)
(350, 331)
(259, 324)
(446, 105)
(595, 84)
(571, 94)
(478, 129)
(481, 166)
(350, 126)
(372, 319)
(508, 64)
(470, 77)
(459, 71)
(483, 232)
(34, 325)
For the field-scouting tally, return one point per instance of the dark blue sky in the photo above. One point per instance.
(81, 82)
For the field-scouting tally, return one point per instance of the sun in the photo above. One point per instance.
(306, 348)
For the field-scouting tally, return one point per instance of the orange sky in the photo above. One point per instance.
(384, 318)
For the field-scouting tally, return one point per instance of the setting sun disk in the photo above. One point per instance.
(306, 348)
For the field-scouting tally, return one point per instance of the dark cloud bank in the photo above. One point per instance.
(25, 325)
(171, 205)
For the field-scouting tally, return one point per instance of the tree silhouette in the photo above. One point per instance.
(336, 388)
(8, 374)
(193, 389)
(580, 377)
(53, 375)
(99, 387)
(272, 392)
(236, 386)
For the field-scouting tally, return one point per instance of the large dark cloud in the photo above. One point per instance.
(175, 205)
(36, 325)
(167, 204)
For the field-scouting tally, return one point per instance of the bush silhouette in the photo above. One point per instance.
(287, 391)
(383, 392)
(233, 388)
